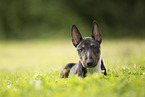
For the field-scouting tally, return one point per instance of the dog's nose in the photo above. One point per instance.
(89, 62)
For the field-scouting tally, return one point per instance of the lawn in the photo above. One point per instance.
(32, 69)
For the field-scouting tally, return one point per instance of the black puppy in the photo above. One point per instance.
(89, 52)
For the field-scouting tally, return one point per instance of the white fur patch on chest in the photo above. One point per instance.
(96, 69)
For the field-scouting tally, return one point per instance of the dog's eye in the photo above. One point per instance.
(95, 47)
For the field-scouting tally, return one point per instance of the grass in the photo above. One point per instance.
(32, 68)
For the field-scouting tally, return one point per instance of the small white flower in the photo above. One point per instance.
(36, 75)
(144, 73)
(134, 65)
(8, 86)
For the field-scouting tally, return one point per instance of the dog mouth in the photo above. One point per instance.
(89, 64)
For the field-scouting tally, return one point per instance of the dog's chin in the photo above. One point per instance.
(91, 66)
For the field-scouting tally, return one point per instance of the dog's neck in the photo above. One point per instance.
(96, 69)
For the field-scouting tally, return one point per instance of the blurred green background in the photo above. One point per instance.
(45, 19)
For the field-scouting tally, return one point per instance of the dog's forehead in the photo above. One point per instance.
(88, 41)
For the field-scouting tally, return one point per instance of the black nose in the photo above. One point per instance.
(89, 62)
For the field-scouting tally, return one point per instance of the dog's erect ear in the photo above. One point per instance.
(76, 36)
(96, 32)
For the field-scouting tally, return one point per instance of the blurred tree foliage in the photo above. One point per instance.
(22, 19)
(122, 18)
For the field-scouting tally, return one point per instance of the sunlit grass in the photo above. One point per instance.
(35, 55)
(47, 54)
(32, 68)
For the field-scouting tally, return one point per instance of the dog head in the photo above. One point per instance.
(88, 48)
